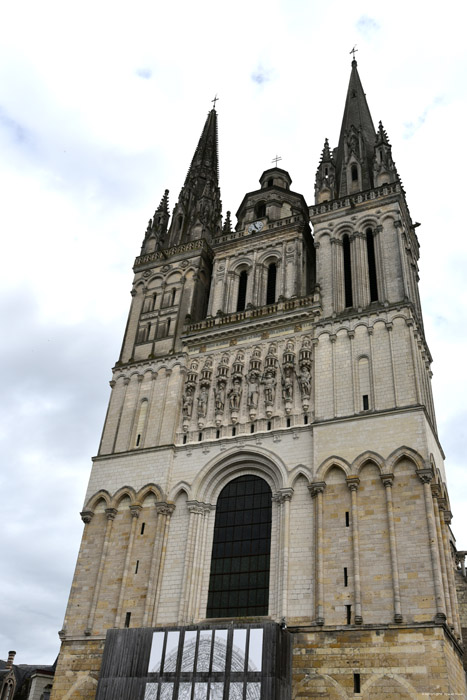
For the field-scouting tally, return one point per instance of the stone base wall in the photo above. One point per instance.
(391, 662)
(78, 669)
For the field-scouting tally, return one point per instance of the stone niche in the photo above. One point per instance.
(205, 662)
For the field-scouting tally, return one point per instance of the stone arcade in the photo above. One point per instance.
(267, 516)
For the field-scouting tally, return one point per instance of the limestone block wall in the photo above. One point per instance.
(376, 663)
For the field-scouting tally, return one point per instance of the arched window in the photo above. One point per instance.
(354, 173)
(179, 222)
(260, 210)
(347, 271)
(270, 182)
(271, 284)
(239, 580)
(370, 249)
(174, 294)
(169, 321)
(241, 299)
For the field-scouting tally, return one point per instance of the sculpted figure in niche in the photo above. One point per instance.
(235, 394)
(253, 389)
(187, 406)
(304, 379)
(219, 396)
(269, 382)
(287, 385)
(202, 402)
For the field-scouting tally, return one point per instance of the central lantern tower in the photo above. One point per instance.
(267, 515)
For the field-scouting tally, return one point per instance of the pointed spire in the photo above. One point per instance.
(381, 136)
(356, 141)
(326, 153)
(384, 168)
(197, 213)
(157, 227)
(325, 176)
(227, 227)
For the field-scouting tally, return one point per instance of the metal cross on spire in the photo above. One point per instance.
(353, 52)
(276, 159)
(214, 101)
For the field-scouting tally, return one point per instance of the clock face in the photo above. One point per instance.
(255, 227)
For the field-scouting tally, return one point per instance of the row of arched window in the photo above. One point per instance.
(270, 287)
(372, 276)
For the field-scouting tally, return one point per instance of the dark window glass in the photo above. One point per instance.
(241, 300)
(354, 172)
(347, 271)
(271, 285)
(239, 580)
(370, 249)
(260, 209)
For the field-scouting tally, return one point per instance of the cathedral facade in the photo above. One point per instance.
(269, 472)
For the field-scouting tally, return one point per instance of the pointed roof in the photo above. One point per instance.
(163, 207)
(205, 160)
(357, 115)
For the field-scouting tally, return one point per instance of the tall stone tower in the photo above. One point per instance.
(267, 515)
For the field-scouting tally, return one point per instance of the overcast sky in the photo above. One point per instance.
(101, 107)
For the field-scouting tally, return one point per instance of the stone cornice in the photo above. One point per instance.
(164, 255)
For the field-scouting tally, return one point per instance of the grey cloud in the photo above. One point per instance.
(413, 126)
(17, 131)
(145, 73)
(54, 377)
(261, 75)
(367, 27)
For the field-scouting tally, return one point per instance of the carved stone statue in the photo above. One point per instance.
(187, 406)
(304, 380)
(287, 384)
(235, 395)
(269, 383)
(253, 389)
(202, 402)
(219, 397)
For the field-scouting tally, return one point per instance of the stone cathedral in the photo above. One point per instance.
(267, 516)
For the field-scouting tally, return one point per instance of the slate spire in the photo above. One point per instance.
(197, 213)
(355, 150)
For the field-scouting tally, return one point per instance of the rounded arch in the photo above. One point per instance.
(367, 221)
(173, 277)
(83, 683)
(155, 282)
(404, 452)
(146, 490)
(242, 263)
(272, 255)
(219, 471)
(329, 463)
(342, 229)
(366, 457)
(361, 324)
(175, 491)
(101, 495)
(121, 493)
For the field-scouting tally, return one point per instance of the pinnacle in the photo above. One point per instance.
(164, 203)
(227, 227)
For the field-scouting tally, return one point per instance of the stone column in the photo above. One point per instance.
(196, 510)
(355, 401)
(110, 514)
(387, 480)
(164, 513)
(199, 567)
(425, 476)
(353, 483)
(126, 382)
(445, 519)
(135, 416)
(389, 327)
(436, 493)
(135, 511)
(380, 280)
(333, 338)
(284, 497)
(316, 491)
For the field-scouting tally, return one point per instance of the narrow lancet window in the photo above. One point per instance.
(370, 249)
(271, 284)
(239, 580)
(347, 272)
(241, 299)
